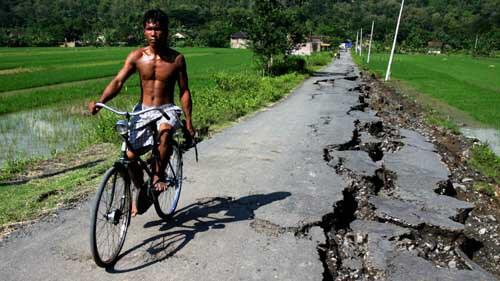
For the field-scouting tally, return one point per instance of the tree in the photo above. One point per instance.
(273, 31)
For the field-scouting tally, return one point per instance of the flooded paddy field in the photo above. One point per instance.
(486, 135)
(38, 133)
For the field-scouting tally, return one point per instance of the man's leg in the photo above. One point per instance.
(165, 149)
(137, 176)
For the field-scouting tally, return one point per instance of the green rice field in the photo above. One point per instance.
(35, 77)
(44, 93)
(469, 84)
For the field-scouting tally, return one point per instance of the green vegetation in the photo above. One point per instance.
(436, 118)
(318, 60)
(485, 188)
(468, 84)
(273, 32)
(12, 167)
(40, 196)
(210, 23)
(56, 65)
(485, 161)
(225, 86)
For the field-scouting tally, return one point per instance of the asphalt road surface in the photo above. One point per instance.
(253, 208)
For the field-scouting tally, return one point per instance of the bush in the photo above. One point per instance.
(288, 64)
(319, 59)
(235, 81)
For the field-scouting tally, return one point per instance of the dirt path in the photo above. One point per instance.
(315, 188)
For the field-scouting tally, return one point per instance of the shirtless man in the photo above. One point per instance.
(159, 68)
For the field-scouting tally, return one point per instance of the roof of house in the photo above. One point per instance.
(239, 35)
(434, 44)
(180, 35)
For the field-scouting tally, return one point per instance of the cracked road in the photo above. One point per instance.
(275, 197)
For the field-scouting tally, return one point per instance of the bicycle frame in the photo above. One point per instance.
(124, 161)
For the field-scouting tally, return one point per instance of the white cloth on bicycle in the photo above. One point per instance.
(140, 133)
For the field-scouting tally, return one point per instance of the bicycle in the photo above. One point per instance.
(111, 208)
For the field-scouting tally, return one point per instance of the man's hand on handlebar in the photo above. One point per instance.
(93, 108)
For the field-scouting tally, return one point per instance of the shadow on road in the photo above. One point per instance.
(206, 214)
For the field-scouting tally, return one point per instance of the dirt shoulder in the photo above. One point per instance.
(482, 224)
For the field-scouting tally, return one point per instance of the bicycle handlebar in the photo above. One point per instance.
(128, 113)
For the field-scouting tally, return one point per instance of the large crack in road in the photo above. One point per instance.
(392, 223)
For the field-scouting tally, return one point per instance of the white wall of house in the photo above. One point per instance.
(238, 43)
(304, 49)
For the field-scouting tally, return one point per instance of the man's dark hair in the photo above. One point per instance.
(156, 15)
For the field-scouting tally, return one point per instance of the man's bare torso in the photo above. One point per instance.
(158, 74)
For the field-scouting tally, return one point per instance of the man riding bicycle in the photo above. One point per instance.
(159, 68)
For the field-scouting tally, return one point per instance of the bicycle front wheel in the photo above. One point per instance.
(166, 202)
(110, 217)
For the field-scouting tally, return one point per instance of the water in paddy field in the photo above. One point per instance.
(490, 136)
(37, 133)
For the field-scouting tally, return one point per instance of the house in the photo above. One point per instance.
(434, 47)
(239, 40)
(180, 36)
(312, 45)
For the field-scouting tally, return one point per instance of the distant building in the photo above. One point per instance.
(434, 47)
(239, 40)
(180, 35)
(312, 45)
(70, 44)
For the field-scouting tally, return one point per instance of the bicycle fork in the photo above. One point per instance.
(116, 214)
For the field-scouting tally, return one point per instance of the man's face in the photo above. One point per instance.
(154, 34)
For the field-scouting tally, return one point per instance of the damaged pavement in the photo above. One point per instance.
(315, 187)
(395, 221)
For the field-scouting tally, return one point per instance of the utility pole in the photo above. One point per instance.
(356, 45)
(370, 44)
(388, 72)
(361, 43)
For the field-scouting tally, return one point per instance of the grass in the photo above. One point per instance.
(436, 118)
(485, 188)
(28, 201)
(224, 84)
(471, 85)
(13, 166)
(55, 66)
(484, 160)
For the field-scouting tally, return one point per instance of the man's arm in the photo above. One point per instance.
(185, 94)
(116, 84)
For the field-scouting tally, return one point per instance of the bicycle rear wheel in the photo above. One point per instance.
(166, 202)
(110, 217)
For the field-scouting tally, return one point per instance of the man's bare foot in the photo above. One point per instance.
(134, 209)
(135, 200)
(160, 184)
